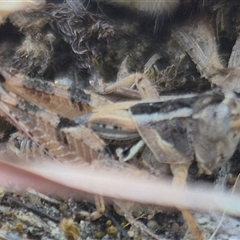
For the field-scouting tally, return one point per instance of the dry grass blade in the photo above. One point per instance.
(49, 178)
(197, 39)
(235, 55)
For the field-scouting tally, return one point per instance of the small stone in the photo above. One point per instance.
(130, 234)
(112, 231)
(108, 223)
(99, 234)
(150, 217)
(152, 225)
(202, 220)
(175, 227)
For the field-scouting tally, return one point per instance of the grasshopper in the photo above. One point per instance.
(173, 128)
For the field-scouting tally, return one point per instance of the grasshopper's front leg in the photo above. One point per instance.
(145, 88)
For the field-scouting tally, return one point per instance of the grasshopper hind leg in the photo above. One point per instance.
(180, 173)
